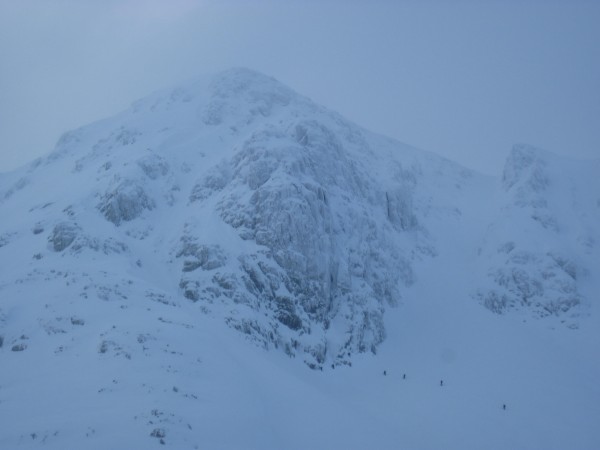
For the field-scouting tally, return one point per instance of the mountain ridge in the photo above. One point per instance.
(236, 204)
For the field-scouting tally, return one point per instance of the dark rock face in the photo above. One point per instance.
(125, 202)
(63, 235)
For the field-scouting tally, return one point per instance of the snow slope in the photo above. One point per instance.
(170, 275)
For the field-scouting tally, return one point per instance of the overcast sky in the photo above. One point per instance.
(465, 79)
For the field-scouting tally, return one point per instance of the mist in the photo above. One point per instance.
(466, 80)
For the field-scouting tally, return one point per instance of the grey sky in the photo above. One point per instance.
(465, 79)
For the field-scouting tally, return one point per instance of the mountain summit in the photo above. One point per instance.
(293, 224)
(143, 240)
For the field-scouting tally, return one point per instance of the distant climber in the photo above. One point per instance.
(384, 372)
(504, 406)
(441, 382)
(404, 376)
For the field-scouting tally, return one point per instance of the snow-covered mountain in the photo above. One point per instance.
(544, 240)
(168, 275)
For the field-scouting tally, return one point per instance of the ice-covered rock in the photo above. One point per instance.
(534, 247)
(544, 285)
(297, 227)
(138, 258)
(153, 166)
(525, 166)
(125, 202)
(63, 235)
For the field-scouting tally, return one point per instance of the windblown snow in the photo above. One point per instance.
(229, 265)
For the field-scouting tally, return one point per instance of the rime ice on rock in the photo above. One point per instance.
(139, 259)
(125, 202)
(529, 273)
(278, 217)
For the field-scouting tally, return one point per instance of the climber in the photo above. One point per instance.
(384, 372)
(441, 382)
(404, 376)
